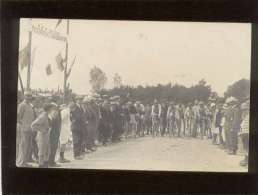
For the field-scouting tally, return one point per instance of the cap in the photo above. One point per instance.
(231, 100)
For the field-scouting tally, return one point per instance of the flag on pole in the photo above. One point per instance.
(58, 22)
(71, 66)
(24, 57)
(48, 70)
(59, 61)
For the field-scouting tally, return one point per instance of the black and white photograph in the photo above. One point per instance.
(133, 95)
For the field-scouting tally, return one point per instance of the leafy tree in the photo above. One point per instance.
(98, 79)
(177, 93)
(240, 89)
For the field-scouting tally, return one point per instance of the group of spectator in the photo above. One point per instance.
(45, 126)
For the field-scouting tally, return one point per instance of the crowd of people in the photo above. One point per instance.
(47, 125)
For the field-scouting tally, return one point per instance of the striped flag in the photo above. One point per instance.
(48, 70)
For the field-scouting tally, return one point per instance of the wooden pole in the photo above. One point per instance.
(66, 64)
(20, 82)
(29, 56)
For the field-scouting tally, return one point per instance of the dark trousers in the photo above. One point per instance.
(233, 140)
(195, 127)
(178, 124)
(115, 133)
(77, 142)
(104, 131)
(245, 140)
(202, 128)
(163, 127)
(84, 139)
(33, 148)
(183, 121)
(54, 140)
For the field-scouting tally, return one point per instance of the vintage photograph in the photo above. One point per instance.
(133, 95)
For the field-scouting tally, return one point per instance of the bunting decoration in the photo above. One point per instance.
(58, 22)
(24, 56)
(48, 70)
(60, 61)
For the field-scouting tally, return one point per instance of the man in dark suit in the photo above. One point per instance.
(55, 128)
(77, 126)
(105, 127)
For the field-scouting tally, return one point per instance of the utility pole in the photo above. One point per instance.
(66, 64)
(29, 56)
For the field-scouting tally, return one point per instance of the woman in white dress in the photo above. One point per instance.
(65, 131)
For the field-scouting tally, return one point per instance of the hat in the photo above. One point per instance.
(211, 99)
(231, 100)
(200, 103)
(105, 96)
(245, 105)
(116, 97)
(212, 104)
(79, 97)
(95, 95)
(225, 106)
(86, 99)
(54, 104)
(27, 93)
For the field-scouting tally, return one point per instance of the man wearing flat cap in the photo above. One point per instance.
(91, 120)
(42, 126)
(25, 117)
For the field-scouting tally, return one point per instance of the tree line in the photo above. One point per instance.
(177, 92)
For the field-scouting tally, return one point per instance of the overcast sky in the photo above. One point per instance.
(142, 52)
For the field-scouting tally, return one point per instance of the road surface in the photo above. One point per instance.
(160, 153)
